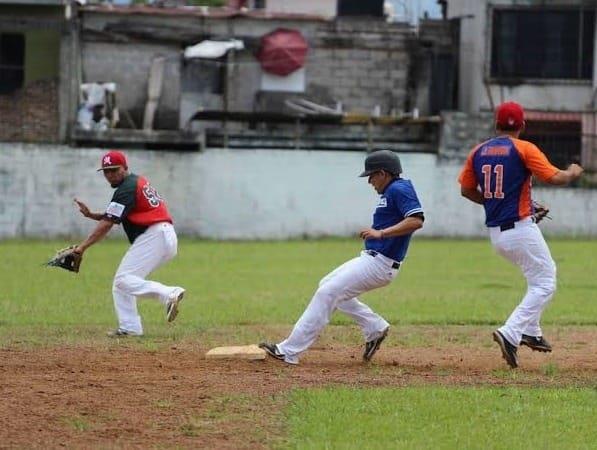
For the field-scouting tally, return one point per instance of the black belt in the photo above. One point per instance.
(395, 264)
(507, 226)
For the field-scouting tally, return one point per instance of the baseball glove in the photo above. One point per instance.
(67, 259)
(540, 212)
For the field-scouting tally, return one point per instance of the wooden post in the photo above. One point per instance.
(154, 90)
(226, 93)
(297, 133)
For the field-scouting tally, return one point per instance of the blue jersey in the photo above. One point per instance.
(398, 201)
(502, 168)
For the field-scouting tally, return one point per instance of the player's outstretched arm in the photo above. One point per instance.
(562, 177)
(84, 209)
(100, 231)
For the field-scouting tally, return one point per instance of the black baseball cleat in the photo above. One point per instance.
(372, 346)
(537, 343)
(508, 350)
(272, 350)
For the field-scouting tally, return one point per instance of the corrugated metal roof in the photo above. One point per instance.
(547, 116)
(198, 11)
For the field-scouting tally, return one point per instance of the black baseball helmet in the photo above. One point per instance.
(382, 160)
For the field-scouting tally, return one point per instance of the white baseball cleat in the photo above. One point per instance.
(174, 300)
(121, 332)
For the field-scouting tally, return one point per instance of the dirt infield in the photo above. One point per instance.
(82, 396)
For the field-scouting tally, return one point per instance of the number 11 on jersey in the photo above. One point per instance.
(498, 170)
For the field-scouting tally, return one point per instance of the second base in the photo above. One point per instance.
(249, 352)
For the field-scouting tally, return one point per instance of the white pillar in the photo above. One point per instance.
(595, 64)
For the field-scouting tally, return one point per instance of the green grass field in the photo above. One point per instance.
(443, 282)
(443, 418)
(247, 287)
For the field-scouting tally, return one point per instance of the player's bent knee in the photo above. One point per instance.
(551, 289)
(120, 282)
(326, 291)
(545, 290)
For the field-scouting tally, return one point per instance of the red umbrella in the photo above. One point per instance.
(282, 51)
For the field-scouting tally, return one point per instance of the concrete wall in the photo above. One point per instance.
(249, 194)
(475, 45)
(42, 55)
(128, 66)
(460, 132)
(326, 8)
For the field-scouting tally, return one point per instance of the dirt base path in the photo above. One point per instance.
(126, 397)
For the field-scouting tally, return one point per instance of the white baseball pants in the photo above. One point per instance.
(525, 247)
(149, 251)
(339, 290)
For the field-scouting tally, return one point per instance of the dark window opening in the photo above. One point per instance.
(372, 8)
(12, 62)
(560, 141)
(204, 75)
(443, 88)
(548, 44)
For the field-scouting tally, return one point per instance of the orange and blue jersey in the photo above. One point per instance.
(502, 168)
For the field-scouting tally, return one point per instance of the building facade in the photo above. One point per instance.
(540, 53)
(38, 57)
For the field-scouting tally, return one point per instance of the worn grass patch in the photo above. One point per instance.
(77, 423)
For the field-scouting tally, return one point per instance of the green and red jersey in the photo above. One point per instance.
(137, 205)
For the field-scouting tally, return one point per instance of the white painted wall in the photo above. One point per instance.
(475, 47)
(249, 194)
(325, 8)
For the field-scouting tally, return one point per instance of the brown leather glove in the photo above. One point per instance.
(67, 258)
(540, 212)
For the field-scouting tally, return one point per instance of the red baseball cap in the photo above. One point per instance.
(112, 160)
(509, 116)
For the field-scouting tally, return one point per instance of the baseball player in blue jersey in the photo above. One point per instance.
(497, 174)
(397, 216)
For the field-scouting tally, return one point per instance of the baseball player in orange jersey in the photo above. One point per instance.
(148, 225)
(497, 174)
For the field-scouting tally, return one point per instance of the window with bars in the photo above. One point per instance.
(12, 62)
(561, 141)
(542, 43)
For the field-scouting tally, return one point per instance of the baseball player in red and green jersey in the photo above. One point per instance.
(148, 225)
(497, 174)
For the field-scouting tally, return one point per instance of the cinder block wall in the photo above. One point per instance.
(460, 132)
(128, 65)
(362, 63)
